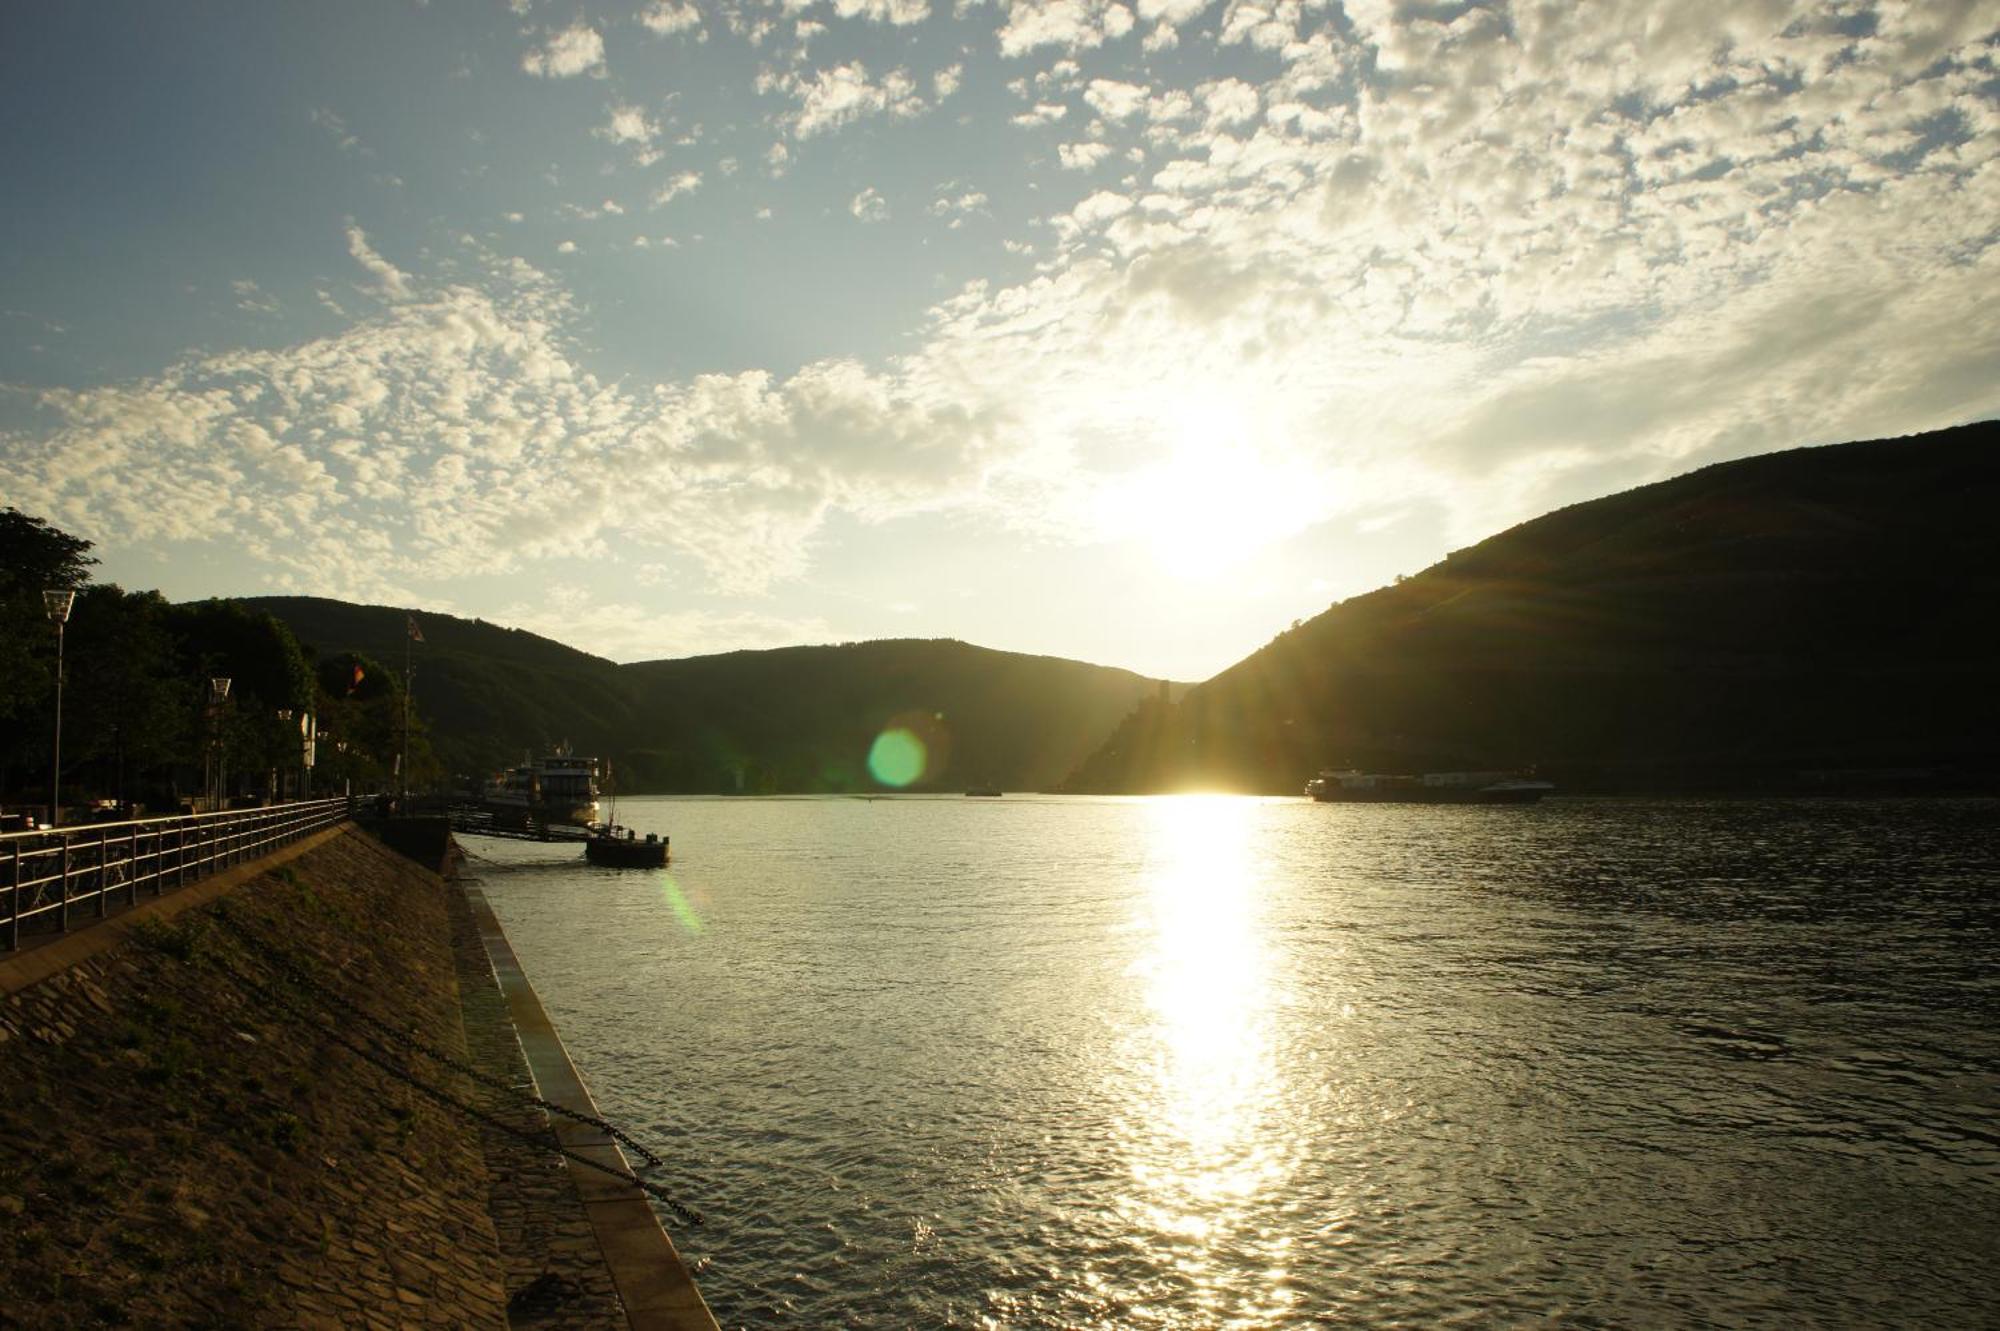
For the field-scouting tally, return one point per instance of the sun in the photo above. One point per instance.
(1219, 495)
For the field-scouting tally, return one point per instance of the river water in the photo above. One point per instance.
(1218, 1062)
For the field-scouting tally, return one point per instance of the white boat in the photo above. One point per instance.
(1333, 786)
(556, 788)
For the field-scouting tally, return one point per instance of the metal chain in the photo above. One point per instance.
(290, 970)
(539, 1140)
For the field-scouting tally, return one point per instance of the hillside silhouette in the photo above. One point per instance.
(1814, 618)
(789, 720)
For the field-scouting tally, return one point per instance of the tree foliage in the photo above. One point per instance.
(34, 557)
(139, 721)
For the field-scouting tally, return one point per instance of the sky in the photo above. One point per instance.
(1122, 330)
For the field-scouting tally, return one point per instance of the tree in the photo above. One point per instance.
(34, 555)
(268, 672)
(33, 558)
(128, 721)
(361, 727)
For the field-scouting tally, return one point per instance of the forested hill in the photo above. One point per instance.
(1800, 617)
(797, 719)
(803, 718)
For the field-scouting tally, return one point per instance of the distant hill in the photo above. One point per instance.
(1822, 614)
(803, 718)
(797, 719)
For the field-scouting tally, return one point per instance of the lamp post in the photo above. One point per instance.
(281, 775)
(57, 601)
(218, 693)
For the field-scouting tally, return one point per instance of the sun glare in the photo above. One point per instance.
(1197, 1152)
(1218, 496)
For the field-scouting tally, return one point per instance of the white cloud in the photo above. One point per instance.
(1081, 156)
(1071, 25)
(453, 434)
(1431, 260)
(830, 98)
(666, 17)
(1261, 23)
(1229, 102)
(958, 206)
(395, 284)
(945, 81)
(686, 182)
(1173, 13)
(1099, 208)
(899, 12)
(253, 299)
(566, 247)
(870, 206)
(1043, 113)
(336, 128)
(1114, 100)
(577, 49)
(628, 124)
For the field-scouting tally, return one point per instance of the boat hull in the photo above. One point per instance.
(611, 852)
(1428, 795)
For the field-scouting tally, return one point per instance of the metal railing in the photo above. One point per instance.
(48, 874)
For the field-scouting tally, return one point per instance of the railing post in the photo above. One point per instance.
(14, 910)
(62, 919)
(132, 870)
(103, 867)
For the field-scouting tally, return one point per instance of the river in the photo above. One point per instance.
(1221, 1062)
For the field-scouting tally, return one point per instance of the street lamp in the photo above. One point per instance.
(57, 601)
(280, 775)
(218, 693)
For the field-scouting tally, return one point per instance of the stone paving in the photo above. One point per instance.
(555, 1274)
(190, 1138)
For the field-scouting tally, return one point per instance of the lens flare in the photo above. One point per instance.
(678, 903)
(897, 757)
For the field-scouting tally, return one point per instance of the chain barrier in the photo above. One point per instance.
(288, 967)
(290, 970)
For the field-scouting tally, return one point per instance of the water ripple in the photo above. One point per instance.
(1237, 1063)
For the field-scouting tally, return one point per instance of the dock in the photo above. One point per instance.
(477, 820)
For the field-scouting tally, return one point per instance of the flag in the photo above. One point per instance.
(415, 633)
(355, 683)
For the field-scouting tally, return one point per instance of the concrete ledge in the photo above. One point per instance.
(653, 1282)
(38, 960)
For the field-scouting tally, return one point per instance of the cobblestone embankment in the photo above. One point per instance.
(191, 1136)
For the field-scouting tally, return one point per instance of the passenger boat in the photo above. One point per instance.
(556, 788)
(1333, 786)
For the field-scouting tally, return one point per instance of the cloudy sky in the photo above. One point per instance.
(1125, 330)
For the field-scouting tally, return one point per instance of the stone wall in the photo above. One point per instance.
(192, 1136)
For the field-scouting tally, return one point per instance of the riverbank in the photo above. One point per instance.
(202, 1123)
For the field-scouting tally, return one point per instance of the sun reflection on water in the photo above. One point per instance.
(1203, 1141)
